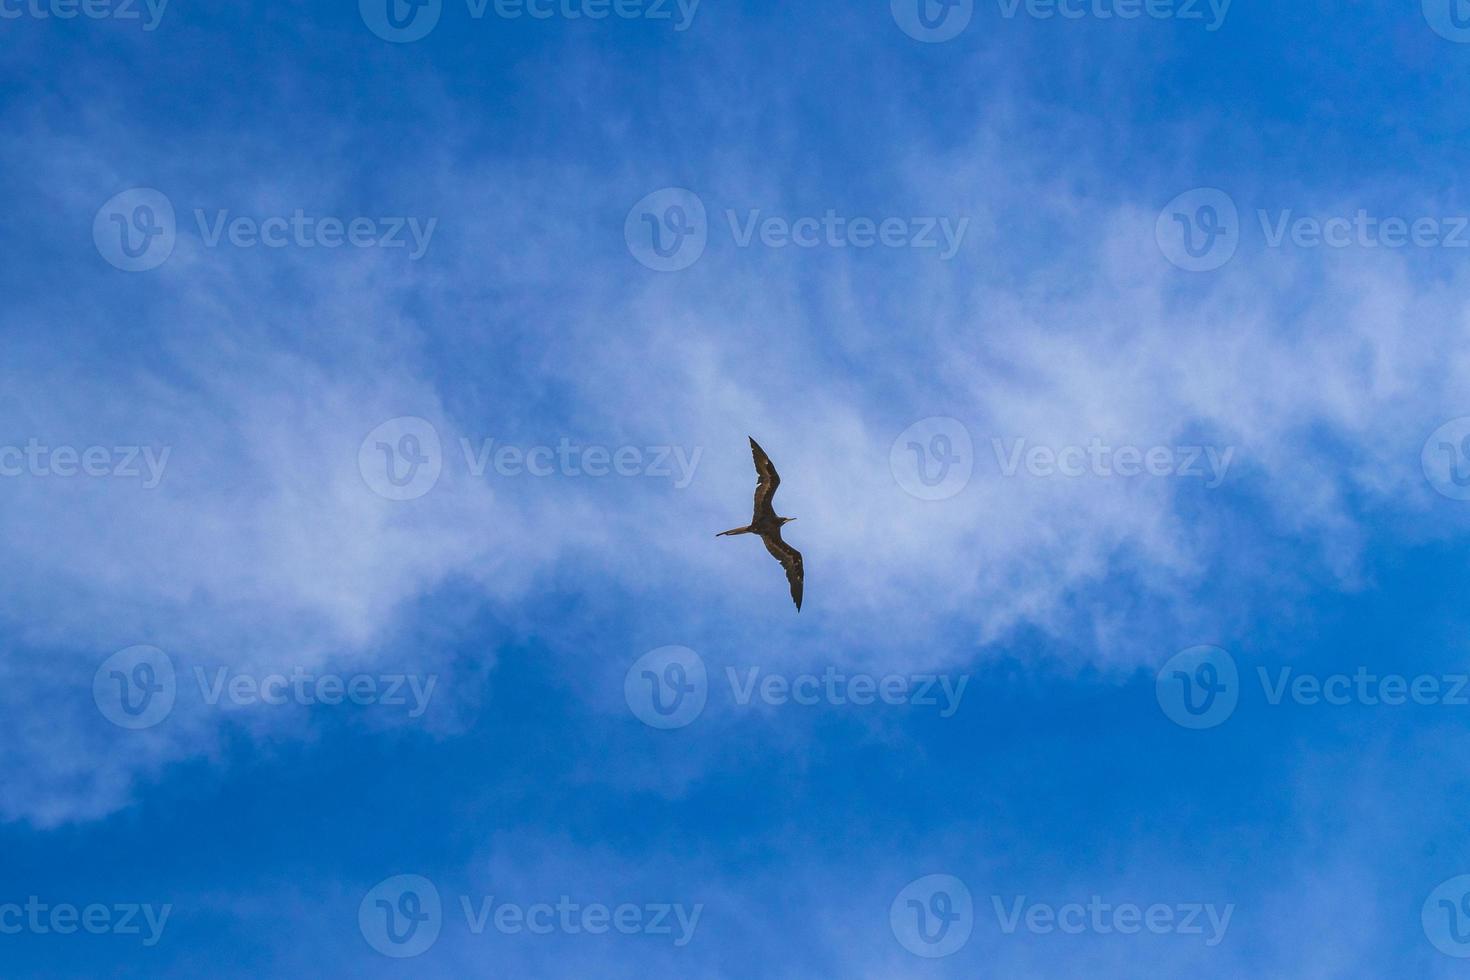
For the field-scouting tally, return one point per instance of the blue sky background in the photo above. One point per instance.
(529, 319)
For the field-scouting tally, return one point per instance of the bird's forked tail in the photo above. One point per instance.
(733, 530)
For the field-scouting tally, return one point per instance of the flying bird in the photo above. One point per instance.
(768, 525)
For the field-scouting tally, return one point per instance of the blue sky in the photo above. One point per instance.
(1114, 368)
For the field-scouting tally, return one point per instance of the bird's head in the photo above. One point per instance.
(787, 520)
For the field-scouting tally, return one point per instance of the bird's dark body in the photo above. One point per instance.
(765, 523)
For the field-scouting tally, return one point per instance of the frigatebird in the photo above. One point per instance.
(768, 525)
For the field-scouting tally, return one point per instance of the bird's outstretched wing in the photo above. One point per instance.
(790, 560)
(767, 480)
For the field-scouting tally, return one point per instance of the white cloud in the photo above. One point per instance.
(265, 371)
